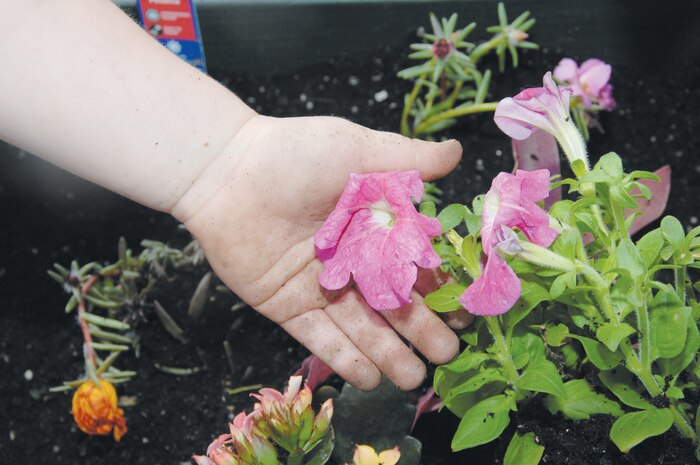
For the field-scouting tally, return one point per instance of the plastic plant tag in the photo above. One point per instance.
(174, 24)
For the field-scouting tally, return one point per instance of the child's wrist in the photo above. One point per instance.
(213, 177)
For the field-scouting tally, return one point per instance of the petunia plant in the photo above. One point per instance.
(448, 83)
(576, 313)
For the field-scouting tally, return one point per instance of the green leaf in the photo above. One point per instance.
(622, 384)
(633, 428)
(673, 232)
(445, 299)
(611, 334)
(473, 223)
(611, 164)
(558, 285)
(523, 450)
(428, 209)
(581, 402)
(598, 354)
(650, 246)
(531, 295)
(628, 258)
(524, 341)
(466, 361)
(451, 216)
(596, 176)
(542, 376)
(482, 423)
(669, 320)
(675, 393)
(675, 365)
(555, 334)
(489, 375)
(478, 204)
(322, 452)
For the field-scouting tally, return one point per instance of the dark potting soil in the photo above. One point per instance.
(50, 216)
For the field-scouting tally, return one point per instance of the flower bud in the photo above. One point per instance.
(95, 409)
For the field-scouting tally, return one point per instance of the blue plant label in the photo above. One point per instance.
(174, 24)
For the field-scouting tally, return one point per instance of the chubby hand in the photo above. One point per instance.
(255, 210)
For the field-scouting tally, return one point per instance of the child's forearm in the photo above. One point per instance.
(82, 86)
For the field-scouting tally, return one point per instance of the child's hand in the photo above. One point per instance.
(255, 210)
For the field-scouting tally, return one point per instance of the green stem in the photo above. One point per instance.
(642, 369)
(504, 356)
(405, 130)
(455, 92)
(619, 217)
(645, 342)
(680, 276)
(602, 291)
(482, 49)
(296, 457)
(454, 113)
(680, 418)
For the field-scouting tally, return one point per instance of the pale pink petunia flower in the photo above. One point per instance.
(545, 108)
(376, 235)
(590, 82)
(510, 203)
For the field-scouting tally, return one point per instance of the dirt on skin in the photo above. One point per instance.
(50, 216)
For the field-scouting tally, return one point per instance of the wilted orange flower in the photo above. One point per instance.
(95, 409)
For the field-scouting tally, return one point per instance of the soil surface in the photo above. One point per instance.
(50, 216)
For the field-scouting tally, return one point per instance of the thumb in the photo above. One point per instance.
(385, 151)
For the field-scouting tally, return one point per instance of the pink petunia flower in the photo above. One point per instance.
(589, 82)
(510, 203)
(376, 235)
(545, 108)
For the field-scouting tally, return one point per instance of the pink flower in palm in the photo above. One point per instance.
(376, 235)
(510, 203)
(589, 82)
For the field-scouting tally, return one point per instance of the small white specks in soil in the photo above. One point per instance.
(12, 436)
(377, 77)
(251, 100)
(678, 153)
(479, 166)
(144, 440)
(381, 96)
(326, 78)
(393, 105)
(499, 152)
(34, 251)
(693, 220)
(353, 80)
(29, 375)
(303, 97)
(55, 449)
(354, 109)
(652, 139)
(309, 105)
(261, 89)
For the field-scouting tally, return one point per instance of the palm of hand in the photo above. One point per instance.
(260, 208)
